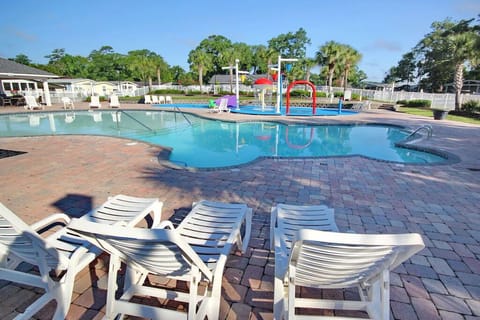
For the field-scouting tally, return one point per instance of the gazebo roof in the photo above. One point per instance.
(14, 70)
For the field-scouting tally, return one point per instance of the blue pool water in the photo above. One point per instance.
(204, 143)
(271, 111)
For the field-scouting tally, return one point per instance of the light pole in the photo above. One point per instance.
(279, 80)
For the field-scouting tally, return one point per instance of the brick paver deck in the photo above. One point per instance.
(73, 174)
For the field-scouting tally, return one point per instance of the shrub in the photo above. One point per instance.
(166, 91)
(418, 103)
(355, 96)
(471, 106)
(321, 94)
(300, 93)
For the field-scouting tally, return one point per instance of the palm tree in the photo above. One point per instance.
(329, 55)
(463, 44)
(200, 61)
(349, 57)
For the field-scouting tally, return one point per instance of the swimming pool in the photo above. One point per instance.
(204, 143)
(270, 110)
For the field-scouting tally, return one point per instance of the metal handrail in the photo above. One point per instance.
(426, 127)
(176, 108)
(133, 118)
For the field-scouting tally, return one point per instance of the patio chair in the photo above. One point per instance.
(95, 102)
(222, 106)
(127, 208)
(334, 260)
(31, 103)
(61, 251)
(195, 252)
(114, 103)
(67, 103)
(154, 100)
(168, 99)
(161, 99)
(147, 99)
(292, 218)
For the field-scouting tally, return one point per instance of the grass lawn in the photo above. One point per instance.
(429, 113)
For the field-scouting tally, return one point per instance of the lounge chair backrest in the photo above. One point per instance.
(20, 239)
(154, 99)
(31, 102)
(148, 99)
(223, 105)
(161, 99)
(168, 99)
(289, 219)
(95, 102)
(209, 215)
(341, 260)
(67, 103)
(173, 255)
(114, 103)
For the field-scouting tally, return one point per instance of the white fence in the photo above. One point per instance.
(441, 100)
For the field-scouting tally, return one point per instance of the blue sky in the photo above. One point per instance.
(382, 31)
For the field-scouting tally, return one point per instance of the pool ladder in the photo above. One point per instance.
(133, 118)
(176, 108)
(428, 128)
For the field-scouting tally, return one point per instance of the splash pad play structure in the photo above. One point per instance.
(265, 88)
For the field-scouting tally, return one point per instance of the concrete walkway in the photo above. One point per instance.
(73, 174)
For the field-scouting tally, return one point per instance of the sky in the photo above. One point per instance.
(382, 31)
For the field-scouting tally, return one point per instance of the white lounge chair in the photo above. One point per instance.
(127, 208)
(114, 103)
(168, 99)
(161, 99)
(95, 102)
(154, 100)
(222, 106)
(194, 252)
(67, 103)
(61, 250)
(147, 99)
(292, 218)
(31, 103)
(334, 260)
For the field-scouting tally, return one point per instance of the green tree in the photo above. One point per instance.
(177, 73)
(215, 45)
(104, 64)
(201, 62)
(463, 44)
(329, 55)
(23, 59)
(142, 64)
(404, 71)
(56, 55)
(349, 58)
(291, 45)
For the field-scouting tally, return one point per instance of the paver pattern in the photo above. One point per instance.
(73, 174)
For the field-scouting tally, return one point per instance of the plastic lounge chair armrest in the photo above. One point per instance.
(164, 225)
(50, 221)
